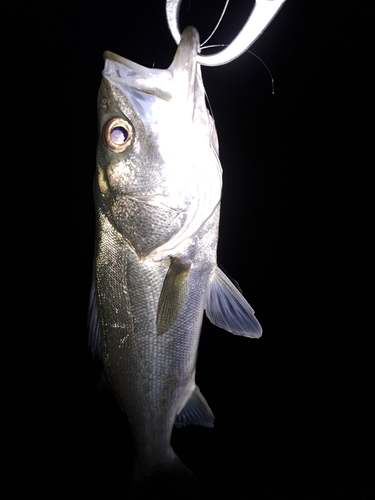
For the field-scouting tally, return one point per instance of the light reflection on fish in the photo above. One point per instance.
(157, 195)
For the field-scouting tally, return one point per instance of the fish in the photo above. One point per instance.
(157, 194)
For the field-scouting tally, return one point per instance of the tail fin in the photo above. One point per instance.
(167, 482)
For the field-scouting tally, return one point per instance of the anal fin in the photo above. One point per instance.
(195, 412)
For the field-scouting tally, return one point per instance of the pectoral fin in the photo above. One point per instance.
(195, 412)
(227, 308)
(173, 295)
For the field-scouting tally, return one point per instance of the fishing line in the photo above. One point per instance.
(253, 54)
(217, 25)
(262, 14)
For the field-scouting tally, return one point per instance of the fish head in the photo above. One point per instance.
(158, 172)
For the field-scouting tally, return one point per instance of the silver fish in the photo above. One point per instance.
(157, 194)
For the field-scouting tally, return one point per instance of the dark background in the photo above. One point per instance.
(293, 410)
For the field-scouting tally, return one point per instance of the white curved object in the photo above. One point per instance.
(260, 17)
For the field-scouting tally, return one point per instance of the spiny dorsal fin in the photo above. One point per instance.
(195, 412)
(227, 308)
(173, 294)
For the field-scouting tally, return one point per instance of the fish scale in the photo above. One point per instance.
(155, 269)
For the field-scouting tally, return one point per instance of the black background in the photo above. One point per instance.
(293, 410)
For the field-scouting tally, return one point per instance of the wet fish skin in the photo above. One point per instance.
(157, 194)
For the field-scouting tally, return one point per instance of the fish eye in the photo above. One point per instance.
(117, 135)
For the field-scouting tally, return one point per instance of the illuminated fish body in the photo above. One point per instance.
(157, 195)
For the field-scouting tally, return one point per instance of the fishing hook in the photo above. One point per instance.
(261, 15)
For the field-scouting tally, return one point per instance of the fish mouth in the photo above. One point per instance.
(163, 83)
(116, 58)
(126, 74)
